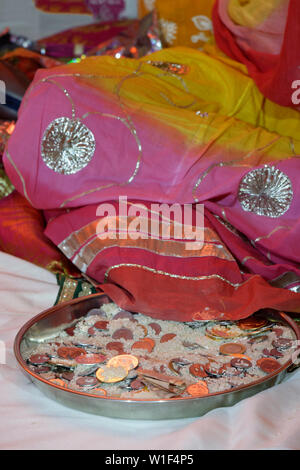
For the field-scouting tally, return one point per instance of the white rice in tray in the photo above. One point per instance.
(199, 351)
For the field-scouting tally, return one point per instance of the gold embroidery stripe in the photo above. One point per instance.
(20, 176)
(167, 248)
(75, 240)
(175, 276)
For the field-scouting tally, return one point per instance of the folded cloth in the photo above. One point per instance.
(21, 235)
(178, 126)
(263, 38)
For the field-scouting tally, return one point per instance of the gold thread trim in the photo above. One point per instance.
(20, 176)
(175, 276)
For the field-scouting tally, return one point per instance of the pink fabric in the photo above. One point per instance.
(267, 37)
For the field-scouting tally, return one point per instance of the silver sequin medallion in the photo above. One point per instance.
(67, 146)
(266, 191)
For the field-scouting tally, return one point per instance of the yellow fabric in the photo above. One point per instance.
(252, 13)
(183, 22)
(221, 85)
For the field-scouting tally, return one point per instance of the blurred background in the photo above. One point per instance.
(24, 19)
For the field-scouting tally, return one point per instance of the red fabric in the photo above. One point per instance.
(273, 74)
(181, 300)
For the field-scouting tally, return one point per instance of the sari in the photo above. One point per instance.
(264, 37)
(179, 126)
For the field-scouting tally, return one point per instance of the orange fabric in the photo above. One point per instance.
(184, 22)
(21, 235)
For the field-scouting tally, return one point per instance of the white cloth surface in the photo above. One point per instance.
(24, 19)
(30, 420)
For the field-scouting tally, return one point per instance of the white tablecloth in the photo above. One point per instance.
(29, 420)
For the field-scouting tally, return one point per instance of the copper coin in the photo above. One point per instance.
(232, 348)
(101, 325)
(275, 353)
(87, 381)
(199, 389)
(137, 385)
(70, 352)
(252, 323)
(223, 332)
(39, 359)
(115, 346)
(282, 343)
(100, 391)
(268, 365)
(124, 333)
(68, 376)
(59, 382)
(145, 345)
(111, 374)
(241, 363)
(197, 370)
(90, 359)
(156, 327)
(167, 337)
(124, 315)
(70, 331)
(127, 361)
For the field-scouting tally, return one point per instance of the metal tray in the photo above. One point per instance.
(49, 323)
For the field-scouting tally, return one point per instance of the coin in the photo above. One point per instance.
(125, 315)
(90, 359)
(70, 352)
(59, 382)
(101, 325)
(252, 323)
(68, 376)
(199, 389)
(142, 344)
(124, 333)
(100, 391)
(282, 343)
(197, 370)
(137, 385)
(257, 339)
(268, 365)
(232, 348)
(167, 337)
(39, 359)
(223, 331)
(70, 330)
(111, 374)
(115, 346)
(241, 363)
(156, 327)
(127, 361)
(87, 381)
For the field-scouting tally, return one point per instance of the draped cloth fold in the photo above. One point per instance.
(268, 49)
(179, 126)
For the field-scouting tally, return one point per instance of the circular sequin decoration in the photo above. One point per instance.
(67, 146)
(266, 191)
